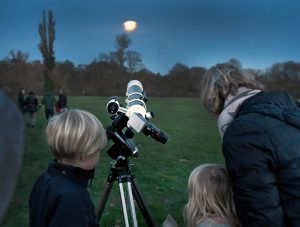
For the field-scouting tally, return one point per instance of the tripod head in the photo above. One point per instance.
(123, 144)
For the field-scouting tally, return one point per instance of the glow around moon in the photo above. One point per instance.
(130, 25)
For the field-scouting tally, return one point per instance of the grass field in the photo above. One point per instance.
(161, 170)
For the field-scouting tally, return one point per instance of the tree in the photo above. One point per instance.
(179, 69)
(122, 43)
(103, 57)
(134, 61)
(235, 62)
(113, 57)
(19, 56)
(47, 34)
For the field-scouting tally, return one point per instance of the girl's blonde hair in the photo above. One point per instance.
(74, 133)
(222, 80)
(210, 193)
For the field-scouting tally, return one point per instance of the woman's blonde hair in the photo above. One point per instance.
(210, 193)
(222, 80)
(74, 133)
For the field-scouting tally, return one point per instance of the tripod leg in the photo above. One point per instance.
(103, 200)
(142, 204)
(123, 204)
(133, 214)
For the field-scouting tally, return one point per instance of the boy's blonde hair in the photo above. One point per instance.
(75, 133)
(222, 80)
(210, 193)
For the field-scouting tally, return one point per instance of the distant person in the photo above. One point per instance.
(22, 100)
(210, 198)
(260, 133)
(62, 102)
(31, 108)
(49, 103)
(59, 196)
(11, 150)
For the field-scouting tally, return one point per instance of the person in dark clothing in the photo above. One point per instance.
(22, 100)
(31, 108)
(260, 134)
(11, 150)
(62, 102)
(49, 103)
(59, 196)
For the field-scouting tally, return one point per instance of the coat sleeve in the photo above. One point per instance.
(75, 211)
(251, 162)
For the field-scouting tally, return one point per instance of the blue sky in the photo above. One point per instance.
(193, 32)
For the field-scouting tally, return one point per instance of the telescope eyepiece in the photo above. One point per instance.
(113, 105)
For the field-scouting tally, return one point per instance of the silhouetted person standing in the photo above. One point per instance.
(49, 102)
(31, 108)
(22, 100)
(62, 101)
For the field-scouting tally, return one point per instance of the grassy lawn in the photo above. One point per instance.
(161, 170)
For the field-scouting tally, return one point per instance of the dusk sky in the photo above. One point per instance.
(193, 32)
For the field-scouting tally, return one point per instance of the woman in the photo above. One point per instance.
(260, 134)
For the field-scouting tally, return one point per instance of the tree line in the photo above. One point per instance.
(99, 78)
(105, 78)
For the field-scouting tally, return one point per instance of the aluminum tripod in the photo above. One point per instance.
(121, 173)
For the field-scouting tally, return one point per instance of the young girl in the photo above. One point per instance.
(210, 198)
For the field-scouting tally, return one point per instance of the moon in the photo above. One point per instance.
(130, 25)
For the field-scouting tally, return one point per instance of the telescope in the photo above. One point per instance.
(125, 121)
(133, 118)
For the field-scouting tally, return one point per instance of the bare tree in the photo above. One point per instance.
(134, 61)
(103, 57)
(179, 69)
(113, 57)
(122, 43)
(235, 62)
(19, 56)
(47, 34)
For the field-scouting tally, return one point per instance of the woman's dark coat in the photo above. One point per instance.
(262, 152)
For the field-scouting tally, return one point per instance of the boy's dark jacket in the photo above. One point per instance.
(60, 198)
(262, 153)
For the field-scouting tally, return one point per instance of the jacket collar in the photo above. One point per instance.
(231, 107)
(77, 174)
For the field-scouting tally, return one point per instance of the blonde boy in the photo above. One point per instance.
(59, 196)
